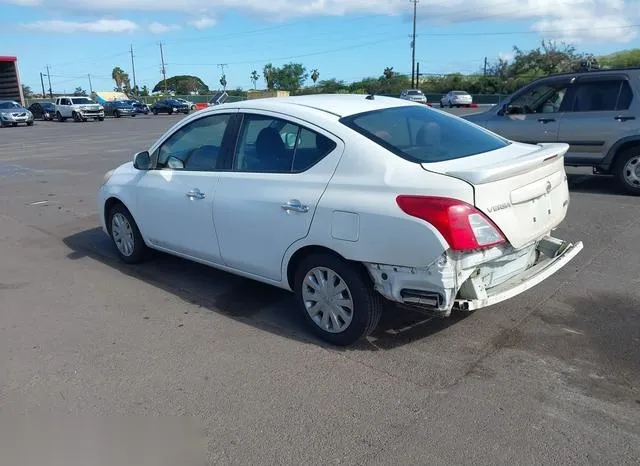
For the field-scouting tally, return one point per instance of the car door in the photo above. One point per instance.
(267, 200)
(175, 199)
(532, 115)
(597, 116)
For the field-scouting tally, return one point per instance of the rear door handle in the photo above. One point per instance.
(546, 120)
(195, 193)
(624, 118)
(294, 205)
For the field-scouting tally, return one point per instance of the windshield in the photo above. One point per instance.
(6, 105)
(420, 134)
(414, 92)
(48, 106)
(81, 101)
(460, 93)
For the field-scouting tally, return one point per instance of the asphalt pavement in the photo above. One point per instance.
(549, 377)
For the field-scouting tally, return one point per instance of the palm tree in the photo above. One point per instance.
(315, 74)
(117, 75)
(254, 78)
(388, 72)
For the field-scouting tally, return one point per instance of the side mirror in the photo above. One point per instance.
(142, 161)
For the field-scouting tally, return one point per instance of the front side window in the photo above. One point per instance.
(544, 98)
(82, 101)
(272, 145)
(195, 146)
(423, 135)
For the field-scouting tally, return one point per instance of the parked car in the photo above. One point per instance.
(596, 112)
(456, 99)
(192, 106)
(12, 114)
(169, 106)
(119, 108)
(446, 216)
(414, 95)
(78, 108)
(139, 107)
(43, 110)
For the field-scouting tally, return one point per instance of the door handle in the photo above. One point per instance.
(624, 118)
(195, 193)
(546, 120)
(294, 205)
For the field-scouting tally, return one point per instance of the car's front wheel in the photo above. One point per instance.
(125, 235)
(337, 299)
(627, 170)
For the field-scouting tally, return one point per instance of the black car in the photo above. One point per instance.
(44, 110)
(170, 106)
(119, 108)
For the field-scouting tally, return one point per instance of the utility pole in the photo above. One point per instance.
(163, 69)
(418, 75)
(49, 79)
(413, 43)
(44, 94)
(221, 66)
(485, 66)
(133, 69)
(90, 85)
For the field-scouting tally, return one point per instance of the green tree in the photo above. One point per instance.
(622, 59)
(289, 77)
(254, 78)
(118, 75)
(144, 92)
(183, 85)
(26, 91)
(388, 72)
(80, 92)
(269, 74)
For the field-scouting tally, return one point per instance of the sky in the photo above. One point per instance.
(343, 39)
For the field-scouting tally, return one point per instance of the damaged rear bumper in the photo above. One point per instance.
(470, 281)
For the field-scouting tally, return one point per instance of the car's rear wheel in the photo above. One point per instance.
(29, 123)
(337, 299)
(116, 114)
(125, 235)
(59, 117)
(627, 170)
(155, 111)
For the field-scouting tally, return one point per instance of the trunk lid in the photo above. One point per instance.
(522, 188)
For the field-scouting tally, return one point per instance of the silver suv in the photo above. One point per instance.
(596, 112)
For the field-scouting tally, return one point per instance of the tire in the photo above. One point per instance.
(122, 227)
(100, 118)
(59, 117)
(116, 114)
(365, 302)
(441, 105)
(14, 124)
(450, 105)
(155, 112)
(627, 170)
(133, 115)
(76, 117)
(170, 112)
(29, 123)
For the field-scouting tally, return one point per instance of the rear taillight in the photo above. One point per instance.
(463, 226)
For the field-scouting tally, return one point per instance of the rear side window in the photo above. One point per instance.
(423, 135)
(601, 96)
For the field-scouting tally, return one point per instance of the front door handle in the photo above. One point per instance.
(546, 120)
(624, 118)
(294, 205)
(195, 193)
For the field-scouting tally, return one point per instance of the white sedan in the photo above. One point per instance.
(345, 200)
(456, 99)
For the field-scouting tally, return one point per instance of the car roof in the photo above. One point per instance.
(340, 105)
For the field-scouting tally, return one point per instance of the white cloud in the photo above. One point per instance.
(203, 23)
(159, 28)
(99, 26)
(589, 20)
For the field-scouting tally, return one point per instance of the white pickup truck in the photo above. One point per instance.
(78, 108)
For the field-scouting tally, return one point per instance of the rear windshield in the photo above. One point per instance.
(460, 93)
(414, 92)
(423, 135)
